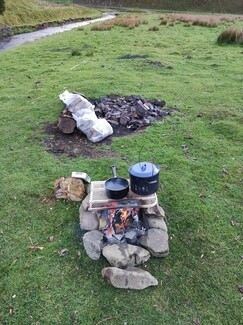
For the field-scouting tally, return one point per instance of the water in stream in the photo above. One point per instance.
(20, 39)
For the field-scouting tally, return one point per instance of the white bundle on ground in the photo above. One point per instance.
(83, 113)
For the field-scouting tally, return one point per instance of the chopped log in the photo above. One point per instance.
(66, 124)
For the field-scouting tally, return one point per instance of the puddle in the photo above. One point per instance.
(20, 39)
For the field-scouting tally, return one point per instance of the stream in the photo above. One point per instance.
(20, 39)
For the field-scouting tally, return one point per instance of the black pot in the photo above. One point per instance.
(144, 178)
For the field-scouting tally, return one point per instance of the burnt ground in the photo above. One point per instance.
(126, 114)
(77, 144)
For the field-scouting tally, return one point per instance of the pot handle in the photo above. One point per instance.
(143, 167)
(114, 171)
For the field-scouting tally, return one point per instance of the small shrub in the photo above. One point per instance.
(231, 36)
(154, 29)
(80, 28)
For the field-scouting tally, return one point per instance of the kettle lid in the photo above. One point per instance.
(144, 169)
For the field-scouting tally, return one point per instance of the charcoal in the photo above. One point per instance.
(113, 122)
(131, 112)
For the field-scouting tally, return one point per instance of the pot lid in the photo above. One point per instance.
(144, 169)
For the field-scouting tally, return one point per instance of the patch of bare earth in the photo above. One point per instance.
(77, 144)
(126, 114)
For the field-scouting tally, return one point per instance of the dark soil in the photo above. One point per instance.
(77, 144)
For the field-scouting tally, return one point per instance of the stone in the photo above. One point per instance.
(124, 255)
(93, 243)
(129, 112)
(131, 278)
(69, 188)
(155, 222)
(88, 219)
(85, 203)
(156, 242)
(155, 211)
(5, 31)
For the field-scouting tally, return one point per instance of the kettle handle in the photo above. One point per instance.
(144, 167)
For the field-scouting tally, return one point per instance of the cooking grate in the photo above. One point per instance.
(100, 201)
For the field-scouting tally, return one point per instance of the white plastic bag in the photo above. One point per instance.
(100, 130)
(75, 101)
(83, 113)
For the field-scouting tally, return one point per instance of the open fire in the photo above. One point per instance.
(121, 225)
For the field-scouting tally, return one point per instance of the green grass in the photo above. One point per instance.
(202, 198)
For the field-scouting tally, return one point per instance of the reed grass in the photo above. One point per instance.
(199, 20)
(129, 22)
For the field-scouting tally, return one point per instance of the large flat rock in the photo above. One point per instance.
(156, 242)
(124, 255)
(131, 278)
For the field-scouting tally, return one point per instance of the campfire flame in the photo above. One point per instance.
(115, 223)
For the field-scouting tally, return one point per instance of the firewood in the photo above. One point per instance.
(66, 124)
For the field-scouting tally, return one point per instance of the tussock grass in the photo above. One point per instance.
(231, 36)
(199, 20)
(102, 27)
(129, 22)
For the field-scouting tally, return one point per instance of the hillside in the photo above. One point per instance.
(220, 6)
(32, 12)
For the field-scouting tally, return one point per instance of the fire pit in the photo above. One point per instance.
(126, 114)
(127, 232)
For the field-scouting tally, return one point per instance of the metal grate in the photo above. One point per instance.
(100, 201)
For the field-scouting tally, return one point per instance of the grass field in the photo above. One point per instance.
(199, 282)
